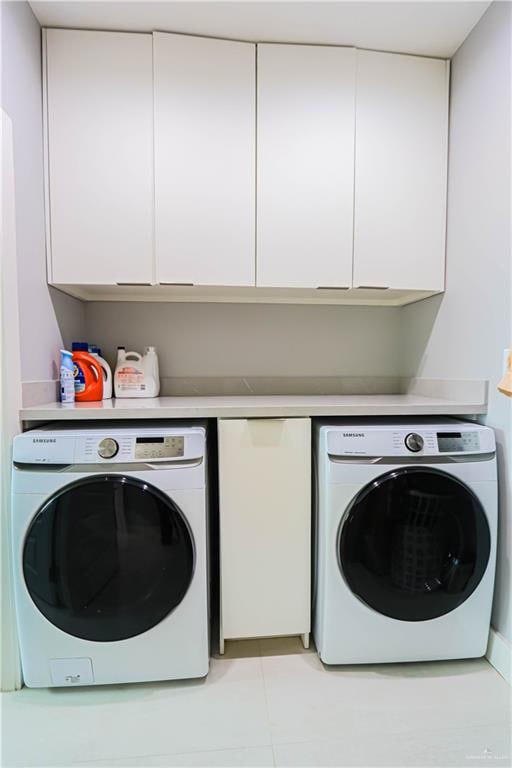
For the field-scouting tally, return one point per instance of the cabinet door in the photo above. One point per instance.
(265, 512)
(305, 165)
(401, 167)
(205, 105)
(100, 156)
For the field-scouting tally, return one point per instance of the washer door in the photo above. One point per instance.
(108, 557)
(414, 544)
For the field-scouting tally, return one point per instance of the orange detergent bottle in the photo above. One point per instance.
(87, 373)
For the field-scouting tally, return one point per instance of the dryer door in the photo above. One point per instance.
(414, 544)
(108, 557)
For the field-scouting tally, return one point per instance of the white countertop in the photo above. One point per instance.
(242, 406)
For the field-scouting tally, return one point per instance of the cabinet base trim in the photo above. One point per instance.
(391, 297)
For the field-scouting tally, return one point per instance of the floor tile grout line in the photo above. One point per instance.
(267, 708)
(103, 760)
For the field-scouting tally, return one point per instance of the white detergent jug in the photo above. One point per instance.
(136, 375)
(107, 371)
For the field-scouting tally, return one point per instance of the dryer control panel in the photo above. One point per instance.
(412, 440)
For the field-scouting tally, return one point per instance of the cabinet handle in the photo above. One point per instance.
(268, 418)
(373, 287)
(333, 288)
(134, 283)
(186, 284)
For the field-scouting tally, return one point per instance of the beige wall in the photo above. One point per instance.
(464, 334)
(252, 339)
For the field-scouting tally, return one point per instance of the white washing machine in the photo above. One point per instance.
(110, 534)
(406, 519)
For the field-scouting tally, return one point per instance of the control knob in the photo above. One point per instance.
(414, 442)
(108, 448)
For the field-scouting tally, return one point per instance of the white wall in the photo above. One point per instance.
(463, 335)
(252, 339)
(36, 313)
(10, 401)
(45, 316)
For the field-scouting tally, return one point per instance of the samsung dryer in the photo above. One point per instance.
(405, 529)
(109, 531)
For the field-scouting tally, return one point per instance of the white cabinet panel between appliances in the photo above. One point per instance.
(205, 134)
(400, 171)
(100, 156)
(305, 165)
(265, 526)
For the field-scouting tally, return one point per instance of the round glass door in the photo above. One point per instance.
(414, 544)
(108, 557)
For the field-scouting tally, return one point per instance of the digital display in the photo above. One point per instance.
(458, 442)
(159, 447)
(449, 442)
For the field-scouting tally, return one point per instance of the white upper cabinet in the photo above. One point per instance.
(205, 112)
(165, 166)
(99, 134)
(305, 165)
(400, 171)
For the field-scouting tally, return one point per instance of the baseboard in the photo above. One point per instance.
(499, 654)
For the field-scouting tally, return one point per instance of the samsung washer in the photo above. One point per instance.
(110, 530)
(405, 540)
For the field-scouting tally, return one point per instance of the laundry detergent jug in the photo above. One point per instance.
(87, 372)
(136, 375)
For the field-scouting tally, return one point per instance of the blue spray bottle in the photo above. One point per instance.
(67, 378)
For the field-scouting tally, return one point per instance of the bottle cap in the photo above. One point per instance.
(80, 346)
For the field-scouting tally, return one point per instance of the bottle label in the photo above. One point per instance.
(79, 378)
(130, 379)
(67, 386)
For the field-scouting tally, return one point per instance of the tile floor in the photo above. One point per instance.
(270, 703)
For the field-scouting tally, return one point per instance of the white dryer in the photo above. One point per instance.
(405, 526)
(110, 529)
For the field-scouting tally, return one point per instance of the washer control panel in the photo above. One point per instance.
(115, 445)
(142, 447)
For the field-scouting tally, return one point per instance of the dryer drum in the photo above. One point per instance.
(414, 544)
(416, 558)
(108, 557)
